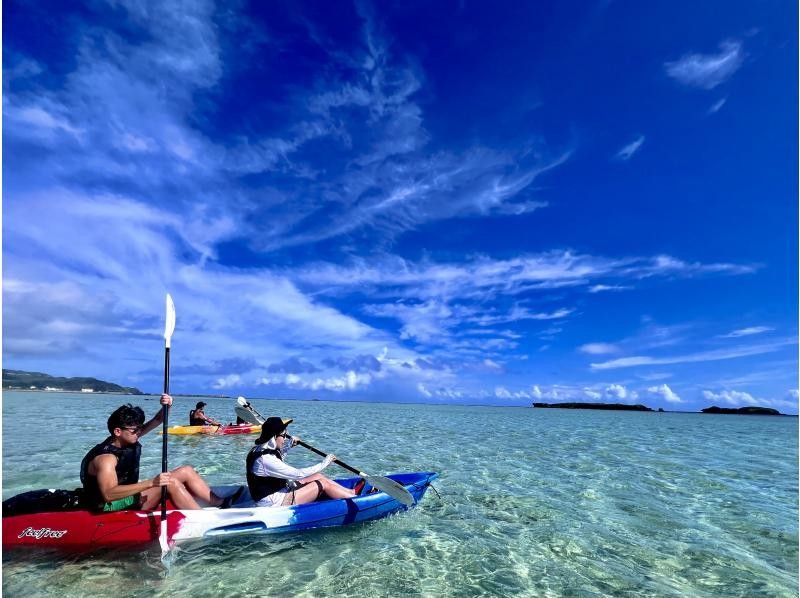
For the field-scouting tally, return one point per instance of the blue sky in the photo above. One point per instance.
(452, 202)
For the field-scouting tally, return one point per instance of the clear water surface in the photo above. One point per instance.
(532, 503)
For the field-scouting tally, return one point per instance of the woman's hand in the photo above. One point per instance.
(166, 400)
(329, 459)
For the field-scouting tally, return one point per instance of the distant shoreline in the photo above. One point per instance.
(443, 404)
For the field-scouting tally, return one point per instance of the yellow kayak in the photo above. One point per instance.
(231, 429)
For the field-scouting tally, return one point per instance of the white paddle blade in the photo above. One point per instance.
(169, 326)
(162, 537)
(242, 401)
(390, 487)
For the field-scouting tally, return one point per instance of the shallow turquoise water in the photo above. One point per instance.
(533, 502)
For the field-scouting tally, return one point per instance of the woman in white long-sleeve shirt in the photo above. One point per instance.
(273, 483)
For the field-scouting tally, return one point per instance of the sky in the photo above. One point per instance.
(461, 202)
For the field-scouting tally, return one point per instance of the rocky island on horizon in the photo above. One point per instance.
(751, 410)
(742, 410)
(606, 406)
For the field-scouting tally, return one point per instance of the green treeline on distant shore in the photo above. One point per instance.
(19, 380)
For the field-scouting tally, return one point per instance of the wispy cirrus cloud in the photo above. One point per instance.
(714, 355)
(482, 275)
(598, 348)
(627, 152)
(716, 106)
(750, 331)
(707, 71)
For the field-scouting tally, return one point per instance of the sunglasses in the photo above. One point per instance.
(133, 430)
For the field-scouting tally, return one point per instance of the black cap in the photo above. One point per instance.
(200, 404)
(272, 427)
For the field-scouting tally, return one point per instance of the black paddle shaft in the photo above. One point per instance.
(319, 452)
(164, 418)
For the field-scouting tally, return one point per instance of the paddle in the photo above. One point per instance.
(169, 328)
(243, 402)
(387, 485)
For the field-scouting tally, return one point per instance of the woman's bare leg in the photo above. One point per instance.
(329, 487)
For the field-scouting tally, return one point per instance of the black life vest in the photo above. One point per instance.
(261, 486)
(196, 421)
(127, 468)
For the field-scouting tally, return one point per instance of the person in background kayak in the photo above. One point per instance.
(273, 483)
(110, 471)
(197, 416)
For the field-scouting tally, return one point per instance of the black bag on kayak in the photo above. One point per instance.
(44, 501)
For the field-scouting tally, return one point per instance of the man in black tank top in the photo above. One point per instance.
(198, 417)
(110, 471)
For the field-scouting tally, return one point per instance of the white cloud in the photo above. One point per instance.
(716, 355)
(492, 365)
(715, 107)
(627, 152)
(501, 392)
(598, 348)
(482, 277)
(616, 391)
(349, 382)
(731, 397)
(229, 381)
(665, 392)
(747, 331)
(440, 393)
(737, 398)
(599, 288)
(706, 71)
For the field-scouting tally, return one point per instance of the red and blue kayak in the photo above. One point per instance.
(82, 530)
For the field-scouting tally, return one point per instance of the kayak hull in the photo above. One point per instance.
(214, 430)
(84, 530)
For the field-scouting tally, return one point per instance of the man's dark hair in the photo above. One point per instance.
(126, 416)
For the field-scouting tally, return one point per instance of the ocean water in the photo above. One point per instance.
(530, 503)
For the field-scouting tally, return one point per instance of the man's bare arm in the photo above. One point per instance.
(153, 423)
(110, 489)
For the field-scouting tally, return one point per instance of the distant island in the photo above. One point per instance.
(608, 406)
(19, 380)
(624, 407)
(742, 410)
